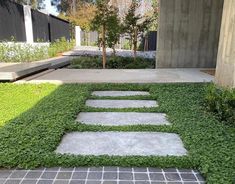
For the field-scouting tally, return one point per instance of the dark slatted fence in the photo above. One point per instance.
(152, 40)
(40, 26)
(11, 21)
(45, 27)
(58, 28)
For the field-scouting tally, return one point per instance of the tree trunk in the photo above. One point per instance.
(135, 44)
(74, 7)
(104, 45)
(114, 50)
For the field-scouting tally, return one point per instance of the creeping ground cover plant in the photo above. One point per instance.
(39, 115)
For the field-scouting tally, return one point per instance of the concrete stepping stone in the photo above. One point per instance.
(122, 118)
(120, 93)
(122, 144)
(121, 103)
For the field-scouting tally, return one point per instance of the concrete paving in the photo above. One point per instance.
(62, 76)
(121, 103)
(122, 144)
(14, 71)
(120, 93)
(122, 118)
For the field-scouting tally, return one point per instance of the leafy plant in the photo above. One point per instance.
(59, 46)
(221, 102)
(105, 17)
(135, 24)
(24, 52)
(94, 62)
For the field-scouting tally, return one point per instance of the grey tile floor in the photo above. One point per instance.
(101, 175)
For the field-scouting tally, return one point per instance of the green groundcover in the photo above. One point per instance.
(34, 118)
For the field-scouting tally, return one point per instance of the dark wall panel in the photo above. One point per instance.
(40, 26)
(59, 28)
(152, 40)
(11, 21)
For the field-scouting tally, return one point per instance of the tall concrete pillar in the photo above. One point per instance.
(78, 36)
(225, 70)
(28, 24)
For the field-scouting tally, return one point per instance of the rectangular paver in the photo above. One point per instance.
(122, 144)
(120, 93)
(121, 103)
(122, 118)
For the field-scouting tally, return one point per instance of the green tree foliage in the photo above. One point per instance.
(36, 4)
(65, 6)
(134, 24)
(105, 21)
(155, 15)
(114, 30)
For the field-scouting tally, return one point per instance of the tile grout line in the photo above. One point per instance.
(179, 175)
(148, 175)
(88, 170)
(38, 179)
(24, 176)
(163, 172)
(198, 181)
(72, 175)
(8, 177)
(118, 181)
(102, 175)
(133, 175)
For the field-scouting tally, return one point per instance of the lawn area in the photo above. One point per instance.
(35, 117)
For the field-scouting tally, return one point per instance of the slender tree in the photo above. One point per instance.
(114, 30)
(105, 14)
(135, 24)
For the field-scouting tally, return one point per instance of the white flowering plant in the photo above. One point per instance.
(12, 52)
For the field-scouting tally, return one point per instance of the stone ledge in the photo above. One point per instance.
(14, 71)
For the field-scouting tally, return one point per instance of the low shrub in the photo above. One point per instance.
(221, 102)
(25, 52)
(95, 62)
(22, 52)
(59, 46)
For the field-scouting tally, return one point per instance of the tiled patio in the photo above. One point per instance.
(101, 175)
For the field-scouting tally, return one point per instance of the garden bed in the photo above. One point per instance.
(95, 62)
(34, 119)
(13, 52)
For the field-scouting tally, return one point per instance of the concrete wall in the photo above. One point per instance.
(225, 70)
(188, 33)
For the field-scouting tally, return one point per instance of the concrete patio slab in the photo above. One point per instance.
(122, 118)
(120, 93)
(122, 144)
(62, 76)
(121, 103)
(14, 71)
